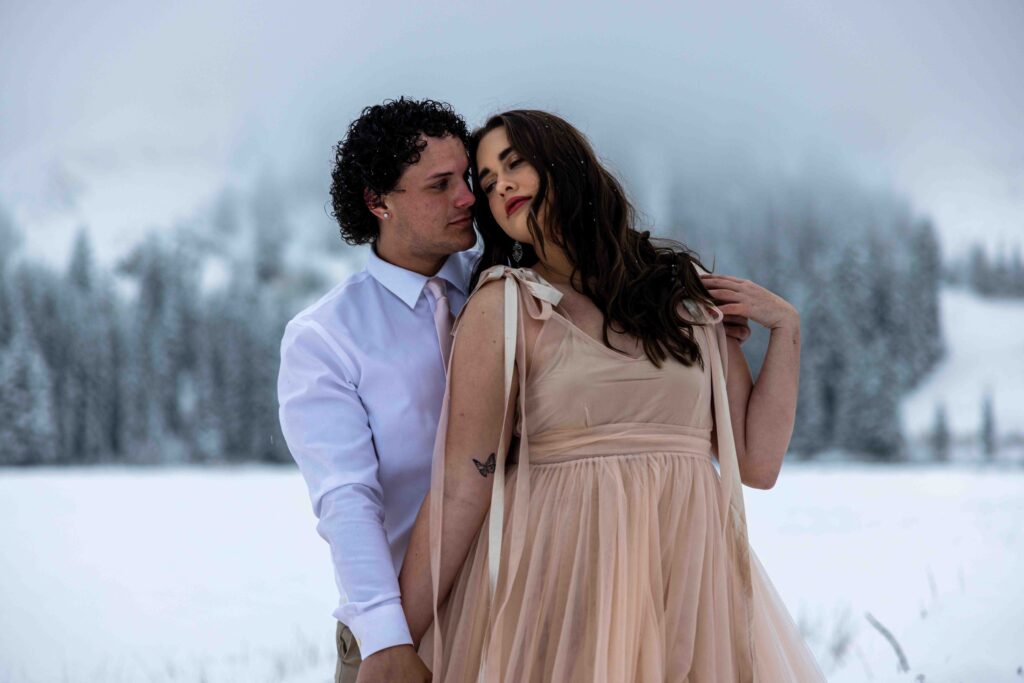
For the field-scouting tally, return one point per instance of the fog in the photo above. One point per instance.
(125, 116)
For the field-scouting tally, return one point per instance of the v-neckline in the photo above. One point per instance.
(573, 326)
(618, 354)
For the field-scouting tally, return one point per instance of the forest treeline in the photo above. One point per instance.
(1001, 275)
(154, 360)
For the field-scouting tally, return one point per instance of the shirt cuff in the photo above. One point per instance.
(379, 628)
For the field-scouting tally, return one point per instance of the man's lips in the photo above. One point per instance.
(512, 205)
(462, 221)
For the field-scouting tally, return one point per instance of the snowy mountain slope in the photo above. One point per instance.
(985, 352)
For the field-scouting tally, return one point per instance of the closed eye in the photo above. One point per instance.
(511, 164)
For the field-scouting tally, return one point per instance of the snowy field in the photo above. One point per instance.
(984, 353)
(218, 575)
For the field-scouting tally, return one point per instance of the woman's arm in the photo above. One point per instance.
(475, 415)
(763, 413)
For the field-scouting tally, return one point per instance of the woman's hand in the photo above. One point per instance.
(745, 298)
(737, 327)
(763, 413)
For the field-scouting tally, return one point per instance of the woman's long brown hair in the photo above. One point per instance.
(638, 284)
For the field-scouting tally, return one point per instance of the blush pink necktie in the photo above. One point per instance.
(442, 316)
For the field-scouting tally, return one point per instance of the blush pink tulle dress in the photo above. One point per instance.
(613, 550)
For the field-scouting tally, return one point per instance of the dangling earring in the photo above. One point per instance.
(517, 252)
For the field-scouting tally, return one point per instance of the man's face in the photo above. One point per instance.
(430, 210)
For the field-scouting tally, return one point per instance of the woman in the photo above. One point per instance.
(612, 549)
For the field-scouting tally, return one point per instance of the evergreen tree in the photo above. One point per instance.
(6, 309)
(979, 271)
(162, 346)
(270, 229)
(989, 442)
(10, 237)
(81, 268)
(40, 296)
(1017, 273)
(870, 405)
(225, 217)
(939, 439)
(923, 281)
(821, 366)
(10, 240)
(27, 426)
(86, 385)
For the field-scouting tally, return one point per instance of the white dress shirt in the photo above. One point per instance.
(360, 391)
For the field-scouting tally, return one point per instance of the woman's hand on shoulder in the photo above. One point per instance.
(736, 327)
(738, 297)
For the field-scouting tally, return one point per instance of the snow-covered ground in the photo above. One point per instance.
(985, 352)
(218, 575)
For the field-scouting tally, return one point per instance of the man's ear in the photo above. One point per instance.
(376, 204)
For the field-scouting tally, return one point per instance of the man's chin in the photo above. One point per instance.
(468, 241)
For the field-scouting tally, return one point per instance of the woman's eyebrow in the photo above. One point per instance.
(501, 157)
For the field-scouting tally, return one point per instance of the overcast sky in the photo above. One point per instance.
(129, 114)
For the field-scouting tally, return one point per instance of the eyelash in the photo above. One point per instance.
(511, 164)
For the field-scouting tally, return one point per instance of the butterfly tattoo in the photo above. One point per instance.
(485, 468)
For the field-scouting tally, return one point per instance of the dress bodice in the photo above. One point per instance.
(575, 381)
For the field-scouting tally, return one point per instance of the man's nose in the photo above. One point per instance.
(465, 197)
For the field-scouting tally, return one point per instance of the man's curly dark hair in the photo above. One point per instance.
(378, 147)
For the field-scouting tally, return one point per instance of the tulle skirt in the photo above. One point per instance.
(626, 575)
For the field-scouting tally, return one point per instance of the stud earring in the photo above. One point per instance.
(387, 215)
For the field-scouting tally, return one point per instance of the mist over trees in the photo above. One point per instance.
(863, 271)
(172, 356)
(145, 364)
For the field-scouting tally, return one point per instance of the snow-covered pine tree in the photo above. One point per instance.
(45, 310)
(822, 364)
(270, 231)
(866, 416)
(989, 440)
(88, 363)
(870, 405)
(162, 341)
(28, 432)
(924, 280)
(1017, 272)
(979, 271)
(939, 438)
(10, 237)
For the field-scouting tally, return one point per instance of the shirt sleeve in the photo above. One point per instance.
(327, 430)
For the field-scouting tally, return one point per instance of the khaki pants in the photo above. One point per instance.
(348, 656)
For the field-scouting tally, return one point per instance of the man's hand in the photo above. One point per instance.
(398, 664)
(737, 327)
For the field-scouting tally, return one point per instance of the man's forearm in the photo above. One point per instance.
(351, 524)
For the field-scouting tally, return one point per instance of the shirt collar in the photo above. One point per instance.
(408, 286)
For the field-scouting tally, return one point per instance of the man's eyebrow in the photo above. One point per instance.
(501, 157)
(437, 176)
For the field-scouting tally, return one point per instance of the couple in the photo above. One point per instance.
(511, 451)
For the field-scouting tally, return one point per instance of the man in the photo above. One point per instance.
(362, 370)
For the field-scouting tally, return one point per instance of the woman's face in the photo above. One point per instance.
(509, 183)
